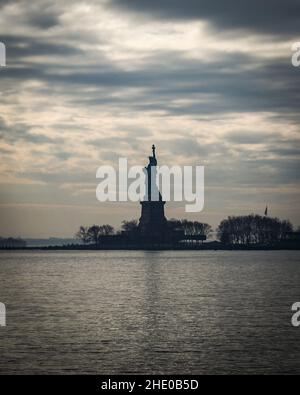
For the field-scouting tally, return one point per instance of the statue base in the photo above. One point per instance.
(153, 223)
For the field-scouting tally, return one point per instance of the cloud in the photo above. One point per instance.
(249, 137)
(44, 21)
(39, 14)
(21, 47)
(272, 17)
(21, 132)
(4, 2)
(86, 83)
(189, 87)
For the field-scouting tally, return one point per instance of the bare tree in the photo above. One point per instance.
(94, 233)
(253, 229)
(106, 230)
(130, 226)
(191, 228)
(83, 234)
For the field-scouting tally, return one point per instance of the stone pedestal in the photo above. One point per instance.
(153, 223)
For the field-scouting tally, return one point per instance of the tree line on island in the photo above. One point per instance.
(253, 229)
(94, 233)
(241, 230)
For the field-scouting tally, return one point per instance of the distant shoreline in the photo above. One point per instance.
(204, 247)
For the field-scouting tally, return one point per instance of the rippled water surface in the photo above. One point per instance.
(149, 312)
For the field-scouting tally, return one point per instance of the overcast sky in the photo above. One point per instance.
(209, 82)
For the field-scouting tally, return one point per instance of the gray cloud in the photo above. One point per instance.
(269, 86)
(257, 89)
(269, 17)
(69, 79)
(42, 14)
(4, 2)
(22, 132)
(21, 47)
(44, 21)
(250, 137)
(286, 151)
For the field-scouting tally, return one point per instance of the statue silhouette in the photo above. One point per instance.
(153, 223)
